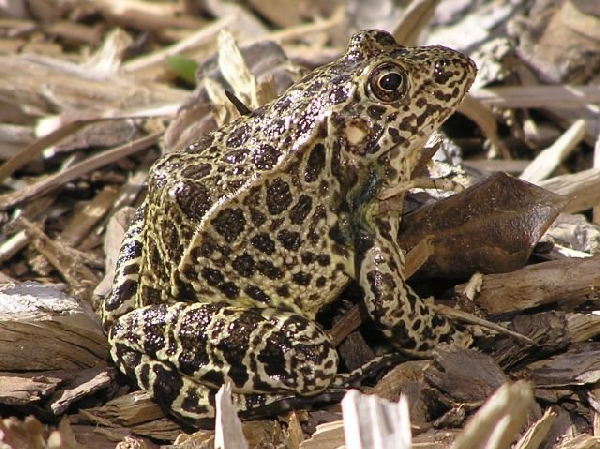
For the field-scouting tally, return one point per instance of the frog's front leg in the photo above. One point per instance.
(182, 353)
(404, 318)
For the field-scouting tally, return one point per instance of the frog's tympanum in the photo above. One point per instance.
(249, 232)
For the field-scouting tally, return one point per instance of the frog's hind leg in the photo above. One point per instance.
(121, 299)
(182, 353)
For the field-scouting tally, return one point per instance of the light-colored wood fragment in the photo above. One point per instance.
(550, 158)
(202, 40)
(537, 432)
(596, 165)
(228, 427)
(481, 114)
(75, 33)
(64, 438)
(580, 442)
(22, 389)
(47, 330)
(149, 16)
(327, 436)
(375, 423)
(81, 223)
(293, 436)
(457, 314)
(235, 71)
(68, 261)
(582, 189)
(85, 383)
(557, 96)
(53, 181)
(536, 285)
(137, 412)
(583, 326)
(498, 422)
(415, 17)
(115, 231)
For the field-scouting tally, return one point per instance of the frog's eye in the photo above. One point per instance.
(388, 82)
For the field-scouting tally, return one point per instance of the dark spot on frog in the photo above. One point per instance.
(335, 234)
(283, 291)
(315, 163)
(305, 123)
(166, 386)
(324, 260)
(301, 278)
(266, 157)
(229, 223)
(380, 284)
(307, 258)
(123, 292)
(229, 289)
(384, 38)
(301, 209)
(172, 243)
(339, 92)
(376, 111)
(257, 294)
(283, 103)
(258, 112)
(194, 171)
(214, 377)
(191, 402)
(186, 291)
(258, 218)
(321, 281)
(144, 372)
(154, 257)
(338, 95)
(252, 197)
(244, 265)
(212, 277)
(312, 89)
(238, 136)
(289, 239)
(205, 248)
(263, 243)
(267, 268)
(279, 196)
(193, 199)
(235, 156)
(397, 138)
(339, 249)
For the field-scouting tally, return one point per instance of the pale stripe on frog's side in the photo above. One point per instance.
(248, 233)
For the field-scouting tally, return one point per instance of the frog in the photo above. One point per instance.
(244, 236)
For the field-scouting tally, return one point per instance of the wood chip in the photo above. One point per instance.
(48, 330)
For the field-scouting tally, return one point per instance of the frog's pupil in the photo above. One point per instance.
(391, 81)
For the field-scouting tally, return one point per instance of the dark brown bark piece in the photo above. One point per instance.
(465, 375)
(490, 227)
(580, 365)
(23, 389)
(549, 330)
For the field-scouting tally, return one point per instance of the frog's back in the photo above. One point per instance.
(228, 216)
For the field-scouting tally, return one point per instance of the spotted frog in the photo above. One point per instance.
(253, 229)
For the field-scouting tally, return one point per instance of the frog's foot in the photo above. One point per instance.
(353, 378)
(182, 353)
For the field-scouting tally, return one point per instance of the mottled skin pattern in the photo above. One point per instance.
(248, 233)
